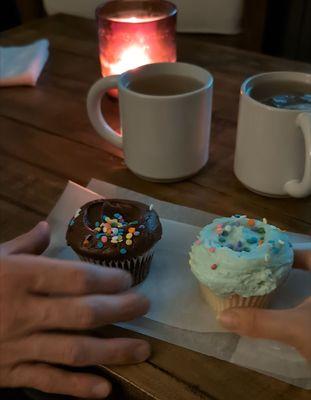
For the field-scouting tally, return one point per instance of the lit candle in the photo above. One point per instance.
(135, 33)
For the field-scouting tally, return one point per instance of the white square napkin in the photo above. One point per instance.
(22, 65)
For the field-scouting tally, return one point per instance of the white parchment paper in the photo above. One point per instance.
(178, 315)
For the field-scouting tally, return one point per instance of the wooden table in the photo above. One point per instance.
(46, 139)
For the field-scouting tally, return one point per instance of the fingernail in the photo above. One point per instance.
(229, 319)
(142, 352)
(101, 390)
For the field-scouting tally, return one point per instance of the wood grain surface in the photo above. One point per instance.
(46, 139)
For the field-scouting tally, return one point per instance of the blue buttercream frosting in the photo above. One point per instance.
(241, 256)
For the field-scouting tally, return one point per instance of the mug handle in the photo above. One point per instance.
(302, 188)
(93, 102)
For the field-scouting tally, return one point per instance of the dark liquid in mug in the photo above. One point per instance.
(286, 95)
(165, 85)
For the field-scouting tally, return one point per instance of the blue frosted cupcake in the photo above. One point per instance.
(239, 262)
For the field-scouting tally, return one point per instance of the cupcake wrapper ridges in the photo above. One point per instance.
(137, 266)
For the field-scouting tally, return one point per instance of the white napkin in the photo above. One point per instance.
(22, 65)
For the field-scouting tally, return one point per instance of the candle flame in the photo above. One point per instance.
(132, 57)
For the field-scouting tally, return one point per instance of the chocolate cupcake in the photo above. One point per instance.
(116, 233)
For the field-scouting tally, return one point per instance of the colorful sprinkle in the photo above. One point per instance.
(222, 239)
(225, 233)
(129, 242)
(114, 231)
(267, 257)
(260, 243)
(197, 242)
(212, 249)
(142, 226)
(97, 224)
(129, 236)
(117, 215)
(151, 207)
(131, 230)
(239, 243)
(261, 230)
(228, 228)
(214, 266)
(247, 249)
(281, 242)
(104, 239)
(100, 245)
(251, 222)
(252, 240)
(72, 222)
(85, 243)
(123, 251)
(264, 220)
(136, 233)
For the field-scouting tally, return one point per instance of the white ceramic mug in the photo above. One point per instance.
(273, 145)
(164, 138)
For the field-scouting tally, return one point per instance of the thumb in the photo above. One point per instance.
(267, 324)
(32, 242)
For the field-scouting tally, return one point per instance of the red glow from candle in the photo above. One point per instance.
(128, 41)
(132, 57)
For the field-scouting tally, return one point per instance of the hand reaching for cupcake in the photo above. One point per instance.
(291, 326)
(44, 301)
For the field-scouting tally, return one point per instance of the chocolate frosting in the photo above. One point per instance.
(113, 229)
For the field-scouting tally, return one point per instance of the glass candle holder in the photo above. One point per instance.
(135, 32)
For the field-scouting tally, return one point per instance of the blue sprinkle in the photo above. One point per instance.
(99, 235)
(117, 215)
(72, 222)
(136, 233)
(100, 245)
(252, 240)
(123, 251)
(103, 217)
(237, 215)
(239, 244)
(97, 224)
(141, 226)
(222, 239)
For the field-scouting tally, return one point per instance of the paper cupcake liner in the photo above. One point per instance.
(137, 266)
(220, 304)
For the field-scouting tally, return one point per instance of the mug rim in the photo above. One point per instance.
(243, 89)
(207, 85)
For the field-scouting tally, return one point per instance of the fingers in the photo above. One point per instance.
(54, 380)
(43, 275)
(32, 242)
(87, 312)
(267, 324)
(78, 351)
(302, 259)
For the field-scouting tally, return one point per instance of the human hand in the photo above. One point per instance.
(291, 326)
(41, 298)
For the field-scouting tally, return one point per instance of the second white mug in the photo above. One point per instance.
(165, 137)
(273, 146)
